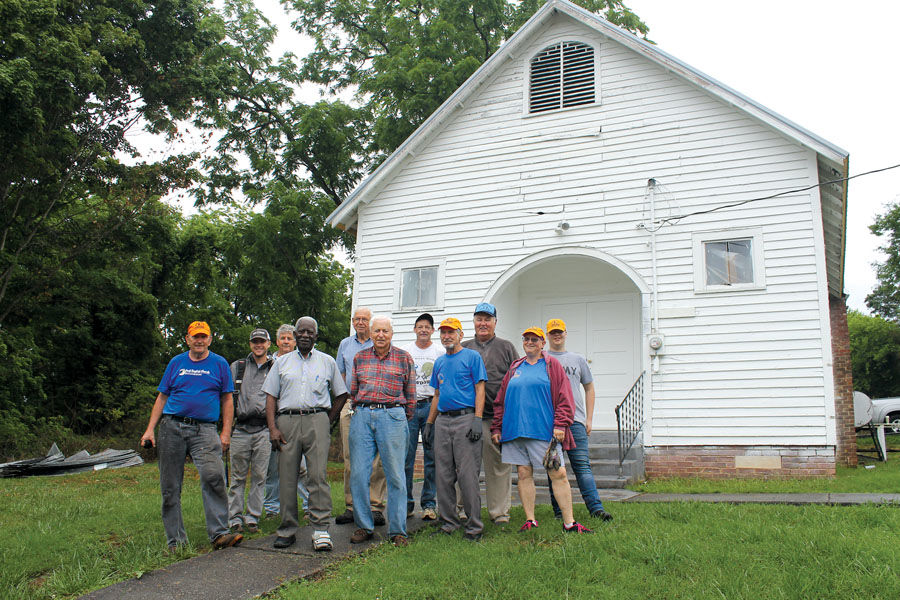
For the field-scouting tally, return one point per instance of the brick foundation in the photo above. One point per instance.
(719, 462)
(843, 383)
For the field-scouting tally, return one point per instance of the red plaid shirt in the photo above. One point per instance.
(384, 380)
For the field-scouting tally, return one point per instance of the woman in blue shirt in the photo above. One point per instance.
(534, 407)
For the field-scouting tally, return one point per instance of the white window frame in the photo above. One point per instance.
(526, 83)
(400, 267)
(700, 239)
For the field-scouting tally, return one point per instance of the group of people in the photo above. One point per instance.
(474, 403)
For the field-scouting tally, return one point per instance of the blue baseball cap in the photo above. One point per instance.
(486, 308)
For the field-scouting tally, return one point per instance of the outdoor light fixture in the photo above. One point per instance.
(562, 226)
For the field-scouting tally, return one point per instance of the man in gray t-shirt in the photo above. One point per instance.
(579, 373)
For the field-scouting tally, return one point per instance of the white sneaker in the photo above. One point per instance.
(321, 540)
(429, 514)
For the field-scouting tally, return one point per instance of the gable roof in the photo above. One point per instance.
(832, 160)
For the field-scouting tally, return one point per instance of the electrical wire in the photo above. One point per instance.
(673, 220)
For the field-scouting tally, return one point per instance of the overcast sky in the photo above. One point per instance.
(830, 66)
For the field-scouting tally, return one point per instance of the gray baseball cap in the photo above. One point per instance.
(259, 333)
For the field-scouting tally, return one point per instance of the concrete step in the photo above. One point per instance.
(603, 451)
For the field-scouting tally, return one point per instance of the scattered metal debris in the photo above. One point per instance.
(55, 463)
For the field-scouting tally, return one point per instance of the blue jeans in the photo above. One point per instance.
(580, 463)
(417, 424)
(383, 431)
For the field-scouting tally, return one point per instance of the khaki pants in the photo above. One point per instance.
(378, 485)
(306, 435)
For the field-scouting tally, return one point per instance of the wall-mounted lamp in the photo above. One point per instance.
(562, 226)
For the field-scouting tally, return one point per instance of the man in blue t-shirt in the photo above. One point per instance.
(196, 386)
(454, 425)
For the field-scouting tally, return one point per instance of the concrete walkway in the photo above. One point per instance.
(245, 571)
(223, 575)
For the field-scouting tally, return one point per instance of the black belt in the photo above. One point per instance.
(424, 400)
(259, 421)
(302, 411)
(458, 413)
(188, 420)
(377, 404)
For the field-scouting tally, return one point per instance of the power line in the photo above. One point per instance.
(672, 220)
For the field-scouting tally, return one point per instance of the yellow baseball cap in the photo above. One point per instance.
(199, 327)
(534, 330)
(556, 324)
(450, 323)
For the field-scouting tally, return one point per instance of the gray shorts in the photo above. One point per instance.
(528, 451)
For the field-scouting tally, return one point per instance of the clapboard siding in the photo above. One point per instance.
(747, 367)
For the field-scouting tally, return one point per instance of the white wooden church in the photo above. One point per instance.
(688, 236)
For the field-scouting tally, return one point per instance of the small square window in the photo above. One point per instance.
(419, 287)
(728, 261)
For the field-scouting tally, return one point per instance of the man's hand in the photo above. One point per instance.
(559, 434)
(277, 438)
(225, 438)
(474, 433)
(496, 439)
(148, 440)
(428, 434)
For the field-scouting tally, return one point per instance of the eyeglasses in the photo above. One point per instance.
(532, 340)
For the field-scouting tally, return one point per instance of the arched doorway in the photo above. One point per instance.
(602, 301)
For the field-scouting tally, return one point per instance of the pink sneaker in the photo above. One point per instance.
(576, 527)
(529, 524)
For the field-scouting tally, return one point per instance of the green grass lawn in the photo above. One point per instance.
(65, 536)
(677, 550)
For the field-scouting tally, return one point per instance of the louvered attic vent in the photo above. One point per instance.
(562, 75)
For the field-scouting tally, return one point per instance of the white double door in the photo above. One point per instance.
(606, 331)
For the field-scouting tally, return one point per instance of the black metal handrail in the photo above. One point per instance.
(630, 418)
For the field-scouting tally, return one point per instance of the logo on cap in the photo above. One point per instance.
(534, 331)
(554, 324)
(199, 327)
(259, 334)
(451, 323)
(486, 308)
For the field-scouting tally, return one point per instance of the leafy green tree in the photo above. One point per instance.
(885, 298)
(875, 354)
(282, 267)
(239, 269)
(403, 58)
(75, 78)
(284, 141)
